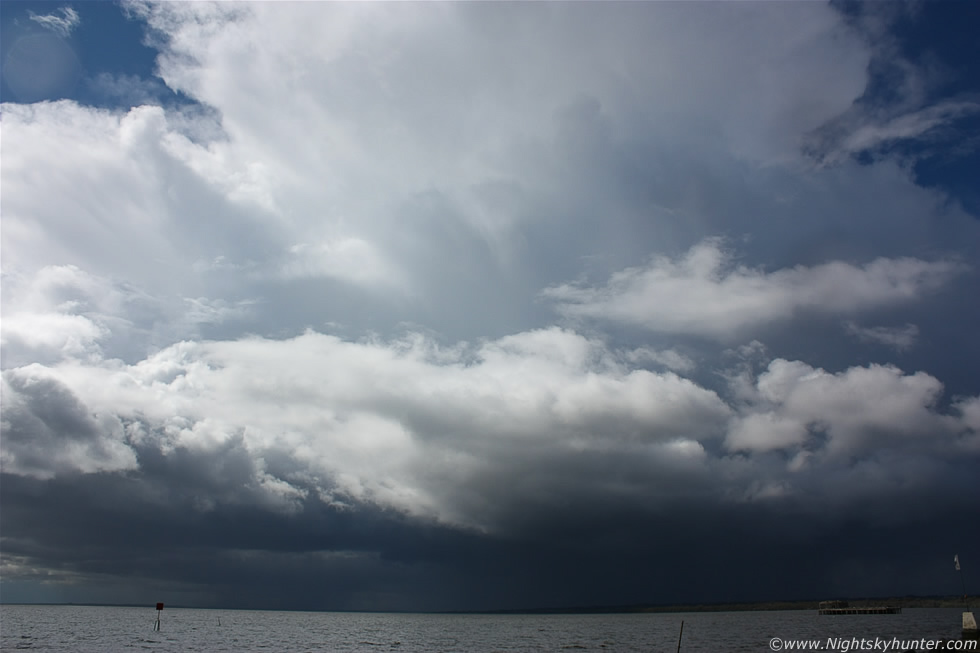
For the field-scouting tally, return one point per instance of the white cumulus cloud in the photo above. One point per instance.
(707, 294)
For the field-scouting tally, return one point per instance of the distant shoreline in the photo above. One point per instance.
(902, 602)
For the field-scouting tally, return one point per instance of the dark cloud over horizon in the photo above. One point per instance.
(445, 307)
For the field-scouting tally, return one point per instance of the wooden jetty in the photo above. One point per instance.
(841, 607)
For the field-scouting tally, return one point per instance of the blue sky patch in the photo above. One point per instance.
(94, 53)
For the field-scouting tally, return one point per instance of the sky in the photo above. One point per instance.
(475, 306)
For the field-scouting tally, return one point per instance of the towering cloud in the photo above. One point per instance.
(442, 306)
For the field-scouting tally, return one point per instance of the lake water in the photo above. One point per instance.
(111, 629)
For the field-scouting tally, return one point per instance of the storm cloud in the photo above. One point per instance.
(477, 306)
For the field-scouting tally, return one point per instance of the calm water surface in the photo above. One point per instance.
(105, 629)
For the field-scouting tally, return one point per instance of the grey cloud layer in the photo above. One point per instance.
(219, 466)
